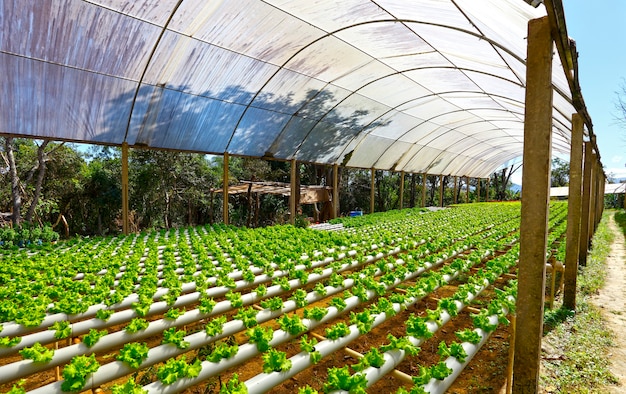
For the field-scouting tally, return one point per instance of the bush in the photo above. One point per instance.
(26, 235)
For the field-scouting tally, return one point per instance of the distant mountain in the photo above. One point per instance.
(515, 187)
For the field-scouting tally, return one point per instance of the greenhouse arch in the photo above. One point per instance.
(454, 88)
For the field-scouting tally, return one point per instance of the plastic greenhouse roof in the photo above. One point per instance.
(432, 86)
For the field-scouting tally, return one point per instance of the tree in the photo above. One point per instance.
(501, 182)
(25, 158)
(560, 173)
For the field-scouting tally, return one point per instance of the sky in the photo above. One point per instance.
(599, 29)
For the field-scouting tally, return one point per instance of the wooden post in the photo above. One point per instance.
(467, 180)
(477, 189)
(586, 205)
(335, 190)
(535, 199)
(293, 205)
(441, 191)
(372, 189)
(599, 193)
(424, 176)
(401, 189)
(125, 221)
(573, 213)
(225, 189)
(487, 190)
(594, 197)
(456, 189)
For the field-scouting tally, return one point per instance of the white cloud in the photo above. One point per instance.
(615, 172)
(617, 159)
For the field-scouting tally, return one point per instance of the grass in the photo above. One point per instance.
(575, 349)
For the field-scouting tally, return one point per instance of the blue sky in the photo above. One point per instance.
(599, 29)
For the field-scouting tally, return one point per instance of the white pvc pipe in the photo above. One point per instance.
(161, 328)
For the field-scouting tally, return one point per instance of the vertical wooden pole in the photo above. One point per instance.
(467, 180)
(293, 205)
(599, 193)
(456, 189)
(586, 205)
(441, 191)
(125, 221)
(225, 189)
(573, 213)
(372, 188)
(594, 197)
(535, 198)
(401, 189)
(477, 189)
(424, 176)
(336, 190)
(487, 190)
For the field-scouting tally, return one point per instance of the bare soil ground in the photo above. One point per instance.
(612, 302)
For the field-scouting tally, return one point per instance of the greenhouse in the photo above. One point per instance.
(456, 88)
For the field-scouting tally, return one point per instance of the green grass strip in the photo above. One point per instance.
(575, 346)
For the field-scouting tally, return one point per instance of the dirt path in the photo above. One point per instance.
(612, 301)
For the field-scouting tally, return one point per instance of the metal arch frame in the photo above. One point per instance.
(562, 132)
(333, 34)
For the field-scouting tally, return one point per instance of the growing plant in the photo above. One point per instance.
(223, 350)
(104, 314)
(273, 304)
(247, 316)
(292, 325)
(173, 313)
(234, 386)
(215, 326)
(423, 377)
(174, 369)
(133, 354)
(455, 350)
(235, 299)
(136, 324)
(62, 329)
(402, 343)
(315, 313)
(93, 337)
(341, 379)
(337, 331)
(261, 337)
(75, 373)
(9, 341)
(130, 387)
(275, 361)
(175, 337)
(468, 335)
(373, 358)
(440, 371)
(38, 353)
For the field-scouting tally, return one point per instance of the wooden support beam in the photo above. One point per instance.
(594, 196)
(125, 219)
(372, 189)
(467, 180)
(336, 190)
(477, 189)
(599, 193)
(293, 204)
(424, 177)
(401, 189)
(487, 190)
(573, 213)
(441, 191)
(225, 177)
(535, 205)
(456, 189)
(586, 205)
